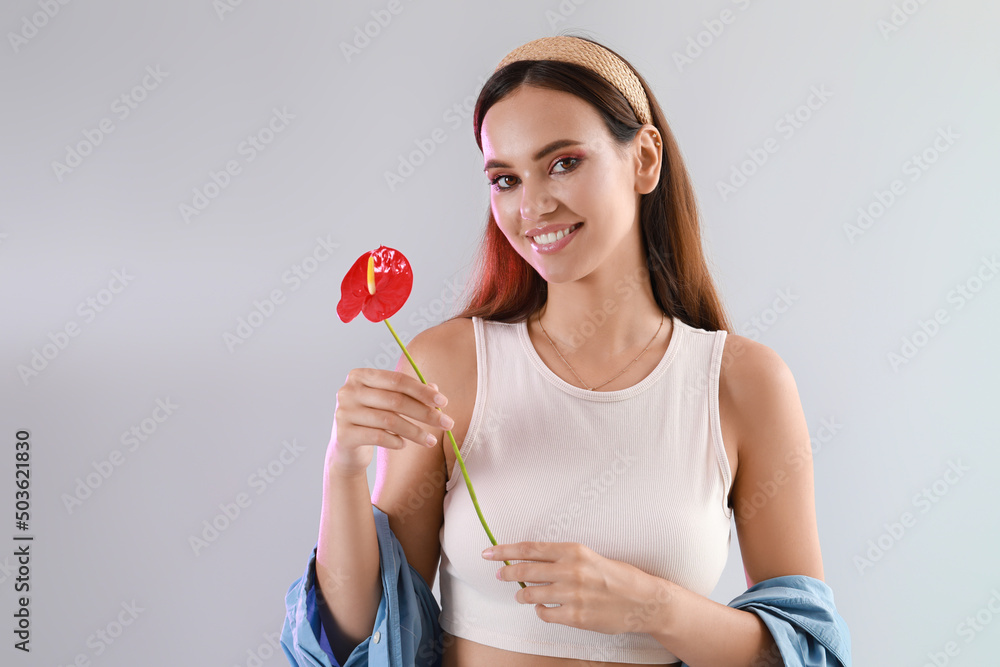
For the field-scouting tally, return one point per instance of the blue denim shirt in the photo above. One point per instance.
(798, 610)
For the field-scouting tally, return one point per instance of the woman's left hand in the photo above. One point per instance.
(594, 592)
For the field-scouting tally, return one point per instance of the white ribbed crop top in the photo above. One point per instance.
(638, 475)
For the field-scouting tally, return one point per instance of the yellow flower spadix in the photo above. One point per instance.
(371, 274)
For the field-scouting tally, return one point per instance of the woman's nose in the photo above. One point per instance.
(535, 201)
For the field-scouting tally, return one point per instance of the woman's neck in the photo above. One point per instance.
(614, 317)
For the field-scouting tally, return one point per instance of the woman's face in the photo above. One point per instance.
(585, 182)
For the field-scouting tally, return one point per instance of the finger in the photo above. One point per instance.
(386, 420)
(543, 551)
(397, 381)
(528, 571)
(540, 595)
(378, 437)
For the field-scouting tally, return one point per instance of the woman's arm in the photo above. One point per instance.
(774, 507)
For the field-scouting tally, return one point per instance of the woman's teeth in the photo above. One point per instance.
(546, 239)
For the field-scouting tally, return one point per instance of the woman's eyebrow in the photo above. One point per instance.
(548, 148)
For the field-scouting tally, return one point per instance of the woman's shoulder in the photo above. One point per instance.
(748, 365)
(454, 331)
(449, 349)
(756, 387)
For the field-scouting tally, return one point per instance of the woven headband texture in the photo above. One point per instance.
(592, 56)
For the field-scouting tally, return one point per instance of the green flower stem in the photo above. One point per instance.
(458, 454)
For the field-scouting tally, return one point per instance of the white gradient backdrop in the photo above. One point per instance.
(845, 302)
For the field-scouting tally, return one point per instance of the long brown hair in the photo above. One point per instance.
(506, 288)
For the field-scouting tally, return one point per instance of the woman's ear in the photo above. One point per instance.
(649, 158)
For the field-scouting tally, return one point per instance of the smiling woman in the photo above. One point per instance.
(615, 442)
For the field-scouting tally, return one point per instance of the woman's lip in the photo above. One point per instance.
(558, 245)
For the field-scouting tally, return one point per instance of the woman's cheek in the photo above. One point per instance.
(502, 216)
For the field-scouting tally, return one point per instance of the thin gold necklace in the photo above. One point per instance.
(539, 318)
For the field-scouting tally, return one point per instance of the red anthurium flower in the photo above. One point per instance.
(393, 280)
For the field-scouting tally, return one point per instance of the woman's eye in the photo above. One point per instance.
(494, 182)
(575, 160)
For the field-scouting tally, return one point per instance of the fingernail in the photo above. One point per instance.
(440, 399)
(488, 553)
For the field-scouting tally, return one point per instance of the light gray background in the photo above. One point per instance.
(323, 176)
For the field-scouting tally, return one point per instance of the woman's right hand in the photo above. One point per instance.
(370, 409)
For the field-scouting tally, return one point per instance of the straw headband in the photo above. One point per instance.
(592, 56)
